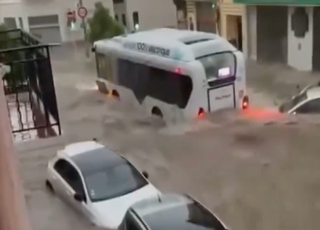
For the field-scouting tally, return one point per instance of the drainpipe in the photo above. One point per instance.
(13, 215)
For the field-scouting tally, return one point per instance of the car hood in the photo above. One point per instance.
(111, 212)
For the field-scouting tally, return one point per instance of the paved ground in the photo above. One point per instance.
(254, 176)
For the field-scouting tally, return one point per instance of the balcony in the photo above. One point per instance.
(29, 86)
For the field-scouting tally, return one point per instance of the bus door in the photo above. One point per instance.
(221, 96)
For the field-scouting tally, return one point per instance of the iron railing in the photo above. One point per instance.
(29, 86)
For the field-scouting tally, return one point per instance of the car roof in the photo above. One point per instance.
(81, 147)
(313, 92)
(92, 156)
(165, 201)
(176, 211)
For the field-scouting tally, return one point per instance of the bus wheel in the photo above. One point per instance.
(156, 112)
(115, 94)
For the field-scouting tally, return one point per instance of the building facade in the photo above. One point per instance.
(232, 22)
(46, 19)
(202, 15)
(147, 14)
(285, 32)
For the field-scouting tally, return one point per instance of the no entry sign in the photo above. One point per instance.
(82, 12)
(71, 14)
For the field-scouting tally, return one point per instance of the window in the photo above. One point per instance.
(104, 66)
(182, 216)
(312, 106)
(219, 65)
(143, 80)
(70, 175)
(116, 17)
(10, 23)
(124, 20)
(135, 17)
(292, 103)
(131, 223)
(116, 181)
(21, 23)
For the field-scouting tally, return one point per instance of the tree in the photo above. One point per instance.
(102, 25)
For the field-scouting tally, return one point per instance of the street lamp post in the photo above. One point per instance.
(13, 215)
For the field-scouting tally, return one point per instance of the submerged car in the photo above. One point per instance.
(306, 102)
(97, 182)
(171, 211)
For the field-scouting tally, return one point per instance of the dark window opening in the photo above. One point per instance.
(135, 17)
(166, 86)
(310, 107)
(116, 17)
(70, 175)
(131, 223)
(124, 20)
(183, 216)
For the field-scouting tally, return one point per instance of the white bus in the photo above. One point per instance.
(172, 73)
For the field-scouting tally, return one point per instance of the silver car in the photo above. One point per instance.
(170, 211)
(306, 102)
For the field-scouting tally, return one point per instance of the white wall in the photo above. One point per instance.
(119, 9)
(152, 13)
(251, 24)
(300, 49)
(27, 8)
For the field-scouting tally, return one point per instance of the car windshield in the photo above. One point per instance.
(219, 65)
(113, 182)
(293, 102)
(183, 217)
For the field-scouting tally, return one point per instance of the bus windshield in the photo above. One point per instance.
(219, 65)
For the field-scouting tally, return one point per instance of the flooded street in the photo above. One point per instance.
(255, 171)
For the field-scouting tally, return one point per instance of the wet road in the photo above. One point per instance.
(253, 174)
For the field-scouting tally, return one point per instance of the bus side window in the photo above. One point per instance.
(100, 65)
(108, 68)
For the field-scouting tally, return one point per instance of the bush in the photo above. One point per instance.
(102, 25)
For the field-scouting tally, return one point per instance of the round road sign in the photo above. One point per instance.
(82, 12)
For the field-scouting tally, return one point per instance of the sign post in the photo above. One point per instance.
(82, 13)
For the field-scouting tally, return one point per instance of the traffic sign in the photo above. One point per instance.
(82, 12)
(71, 14)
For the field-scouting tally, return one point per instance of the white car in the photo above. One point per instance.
(306, 102)
(98, 182)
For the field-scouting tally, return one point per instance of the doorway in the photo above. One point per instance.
(272, 34)
(316, 37)
(234, 30)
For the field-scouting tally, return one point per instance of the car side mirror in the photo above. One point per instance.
(78, 197)
(145, 174)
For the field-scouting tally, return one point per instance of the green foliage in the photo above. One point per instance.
(102, 25)
(15, 76)
(3, 37)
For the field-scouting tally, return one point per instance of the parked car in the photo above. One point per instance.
(306, 102)
(98, 182)
(171, 211)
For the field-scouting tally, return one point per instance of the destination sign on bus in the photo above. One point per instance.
(143, 47)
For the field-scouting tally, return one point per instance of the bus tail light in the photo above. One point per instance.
(178, 70)
(245, 102)
(200, 112)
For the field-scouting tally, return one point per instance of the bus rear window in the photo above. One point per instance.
(221, 65)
